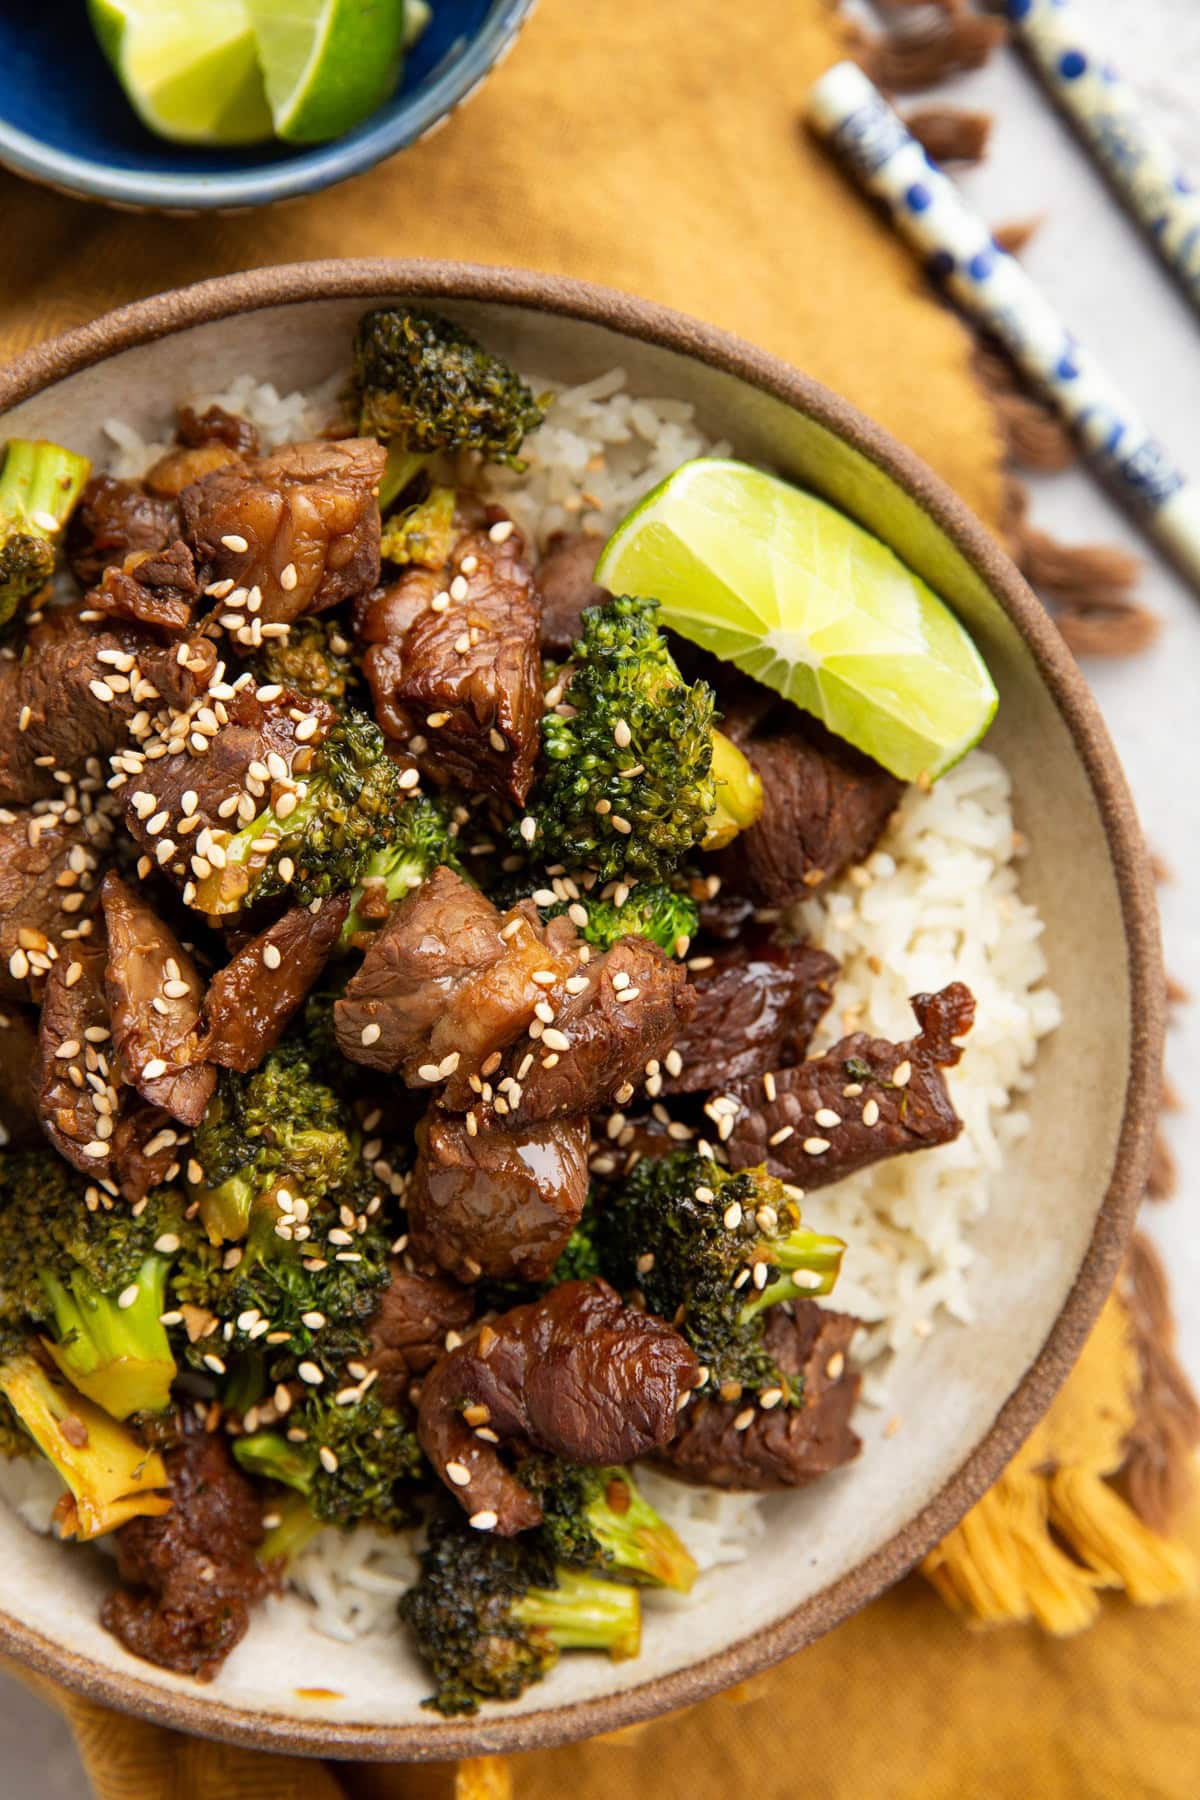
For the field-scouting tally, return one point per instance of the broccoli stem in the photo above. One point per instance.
(268, 1454)
(639, 1542)
(402, 466)
(225, 1210)
(806, 1252)
(584, 1612)
(297, 1526)
(397, 872)
(224, 890)
(39, 485)
(739, 794)
(112, 1477)
(118, 1355)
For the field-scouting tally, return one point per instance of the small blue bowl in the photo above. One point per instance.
(64, 120)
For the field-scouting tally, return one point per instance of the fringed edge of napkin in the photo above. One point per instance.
(1054, 1530)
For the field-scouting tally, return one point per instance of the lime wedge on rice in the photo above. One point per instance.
(189, 67)
(799, 596)
(327, 63)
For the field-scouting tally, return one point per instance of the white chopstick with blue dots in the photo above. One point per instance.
(1135, 154)
(925, 206)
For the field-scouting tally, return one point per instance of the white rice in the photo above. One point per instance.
(937, 901)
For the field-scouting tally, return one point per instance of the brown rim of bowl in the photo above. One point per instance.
(292, 284)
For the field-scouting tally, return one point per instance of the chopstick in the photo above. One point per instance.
(846, 108)
(1135, 155)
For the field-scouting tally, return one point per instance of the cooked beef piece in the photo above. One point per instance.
(182, 467)
(48, 873)
(192, 1573)
(256, 731)
(66, 704)
(577, 1373)
(250, 1001)
(154, 995)
(564, 581)
(151, 588)
(633, 1006)
(864, 1100)
(459, 681)
(500, 1203)
(824, 805)
(114, 519)
(102, 1129)
(216, 426)
(449, 977)
(20, 1127)
(74, 1041)
(758, 1003)
(408, 1333)
(300, 525)
(787, 1446)
(723, 915)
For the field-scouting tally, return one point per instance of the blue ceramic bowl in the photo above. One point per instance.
(65, 121)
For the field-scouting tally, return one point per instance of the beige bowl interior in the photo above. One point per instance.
(1029, 1250)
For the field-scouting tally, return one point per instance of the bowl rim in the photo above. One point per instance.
(648, 321)
(321, 166)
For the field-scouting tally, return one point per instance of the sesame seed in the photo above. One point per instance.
(544, 977)
(806, 1278)
(309, 1373)
(233, 540)
(440, 602)
(154, 1068)
(459, 1474)
(499, 534)
(902, 1074)
(621, 825)
(770, 1397)
(409, 779)
(625, 994)
(67, 1049)
(622, 735)
(732, 1216)
(485, 1520)
(214, 1363)
(783, 1134)
(288, 578)
(101, 690)
(827, 1117)
(24, 716)
(555, 1039)
(448, 1064)
(835, 1365)
(768, 1084)
(176, 990)
(164, 850)
(870, 1113)
(170, 1318)
(744, 1418)
(436, 720)
(498, 741)
(307, 728)
(329, 1461)
(815, 1146)
(128, 1296)
(528, 829)
(370, 1034)
(167, 1244)
(458, 588)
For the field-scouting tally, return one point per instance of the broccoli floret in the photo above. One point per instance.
(424, 385)
(625, 782)
(668, 916)
(598, 1519)
(294, 1524)
(739, 794)
(710, 1249)
(351, 799)
(94, 1276)
(283, 1174)
(490, 1615)
(111, 1474)
(423, 533)
(39, 486)
(356, 1461)
(314, 659)
(277, 1127)
(423, 836)
(579, 1260)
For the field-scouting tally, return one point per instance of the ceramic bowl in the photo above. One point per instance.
(1045, 1254)
(64, 120)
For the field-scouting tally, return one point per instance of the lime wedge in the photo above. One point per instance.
(189, 67)
(327, 63)
(799, 596)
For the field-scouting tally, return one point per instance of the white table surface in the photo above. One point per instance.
(1112, 291)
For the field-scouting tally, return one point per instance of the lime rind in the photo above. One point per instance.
(780, 583)
(327, 64)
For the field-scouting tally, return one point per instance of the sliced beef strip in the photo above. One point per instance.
(48, 875)
(577, 1374)
(154, 588)
(20, 1126)
(497, 1203)
(308, 516)
(252, 999)
(459, 682)
(633, 1007)
(438, 934)
(67, 703)
(155, 992)
(758, 1003)
(255, 731)
(786, 1446)
(564, 581)
(888, 1099)
(191, 1574)
(450, 982)
(216, 426)
(409, 1331)
(824, 806)
(183, 466)
(113, 520)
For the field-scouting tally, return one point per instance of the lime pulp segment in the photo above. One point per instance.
(801, 597)
(327, 63)
(190, 71)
